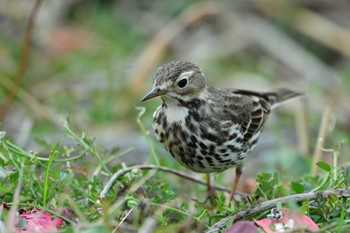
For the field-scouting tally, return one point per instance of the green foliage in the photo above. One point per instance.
(270, 186)
(346, 175)
(324, 166)
(297, 187)
(61, 181)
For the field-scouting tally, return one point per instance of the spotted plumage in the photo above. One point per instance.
(206, 129)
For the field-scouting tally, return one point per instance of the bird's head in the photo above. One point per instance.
(178, 80)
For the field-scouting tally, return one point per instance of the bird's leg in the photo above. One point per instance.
(210, 189)
(235, 183)
(208, 184)
(211, 197)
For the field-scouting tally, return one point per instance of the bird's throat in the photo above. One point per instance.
(174, 112)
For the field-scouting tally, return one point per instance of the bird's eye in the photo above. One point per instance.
(182, 83)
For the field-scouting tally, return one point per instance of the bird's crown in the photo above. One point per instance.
(173, 70)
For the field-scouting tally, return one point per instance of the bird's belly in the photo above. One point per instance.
(199, 148)
(206, 160)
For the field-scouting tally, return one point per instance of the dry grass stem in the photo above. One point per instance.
(15, 202)
(302, 127)
(321, 139)
(23, 61)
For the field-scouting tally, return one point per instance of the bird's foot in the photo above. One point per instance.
(211, 196)
(211, 200)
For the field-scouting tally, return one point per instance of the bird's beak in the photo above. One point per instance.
(156, 91)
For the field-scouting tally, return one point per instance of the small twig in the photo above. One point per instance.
(159, 168)
(23, 62)
(220, 225)
(122, 220)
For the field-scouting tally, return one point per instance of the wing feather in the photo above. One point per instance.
(246, 110)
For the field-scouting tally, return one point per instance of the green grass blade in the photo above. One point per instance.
(341, 219)
(46, 181)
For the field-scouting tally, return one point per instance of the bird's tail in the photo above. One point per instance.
(273, 98)
(279, 96)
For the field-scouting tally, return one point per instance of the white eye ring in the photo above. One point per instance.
(183, 78)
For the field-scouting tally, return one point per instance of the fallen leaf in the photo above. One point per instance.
(289, 220)
(37, 221)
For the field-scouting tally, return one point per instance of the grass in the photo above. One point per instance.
(61, 181)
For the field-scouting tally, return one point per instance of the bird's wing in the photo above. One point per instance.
(247, 109)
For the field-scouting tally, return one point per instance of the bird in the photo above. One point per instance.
(206, 129)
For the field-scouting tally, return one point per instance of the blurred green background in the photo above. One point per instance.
(92, 61)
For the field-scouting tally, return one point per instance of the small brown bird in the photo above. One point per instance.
(204, 128)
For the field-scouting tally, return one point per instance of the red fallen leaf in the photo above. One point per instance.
(243, 227)
(37, 221)
(289, 220)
